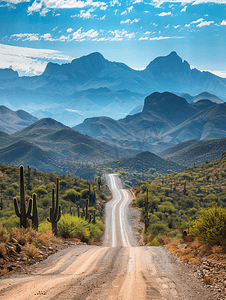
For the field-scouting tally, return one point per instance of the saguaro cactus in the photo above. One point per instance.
(185, 190)
(87, 208)
(78, 208)
(1, 203)
(99, 181)
(55, 210)
(146, 219)
(23, 215)
(94, 216)
(28, 178)
(34, 216)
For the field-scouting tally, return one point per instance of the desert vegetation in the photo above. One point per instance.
(177, 199)
(72, 194)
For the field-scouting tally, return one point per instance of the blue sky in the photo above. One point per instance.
(134, 32)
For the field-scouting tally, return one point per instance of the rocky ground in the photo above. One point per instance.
(13, 258)
(207, 262)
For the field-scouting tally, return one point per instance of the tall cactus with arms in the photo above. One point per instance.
(23, 215)
(55, 211)
(34, 216)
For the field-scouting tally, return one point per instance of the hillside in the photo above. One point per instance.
(195, 151)
(176, 199)
(208, 123)
(51, 146)
(142, 166)
(12, 121)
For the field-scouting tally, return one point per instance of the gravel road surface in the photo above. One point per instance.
(119, 269)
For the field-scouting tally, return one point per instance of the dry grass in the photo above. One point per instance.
(29, 251)
(193, 251)
(28, 247)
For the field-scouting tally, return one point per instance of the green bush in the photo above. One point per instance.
(154, 243)
(158, 227)
(71, 226)
(210, 225)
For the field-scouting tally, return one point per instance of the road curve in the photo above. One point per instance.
(118, 270)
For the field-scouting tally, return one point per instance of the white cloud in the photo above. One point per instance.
(69, 30)
(205, 23)
(55, 28)
(103, 39)
(80, 35)
(64, 38)
(127, 11)
(194, 22)
(184, 9)
(124, 13)
(130, 9)
(167, 26)
(120, 35)
(47, 37)
(129, 21)
(85, 14)
(144, 38)
(115, 2)
(15, 1)
(25, 36)
(158, 3)
(163, 14)
(137, 1)
(28, 61)
(223, 22)
(146, 12)
(176, 26)
(165, 38)
(43, 6)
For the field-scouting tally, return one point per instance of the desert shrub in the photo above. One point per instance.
(154, 242)
(71, 195)
(29, 251)
(210, 225)
(158, 227)
(71, 226)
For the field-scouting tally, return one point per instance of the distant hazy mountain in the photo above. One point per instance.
(195, 151)
(11, 121)
(91, 86)
(208, 123)
(166, 120)
(202, 96)
(136, 110)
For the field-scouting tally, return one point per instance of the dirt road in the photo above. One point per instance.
(117, 270)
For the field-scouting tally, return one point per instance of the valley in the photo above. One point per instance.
(168, 135)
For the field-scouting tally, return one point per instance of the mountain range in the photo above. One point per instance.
(93, 86)
(51, 146)
(120, 145)
(195, 151)
(166, 120)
